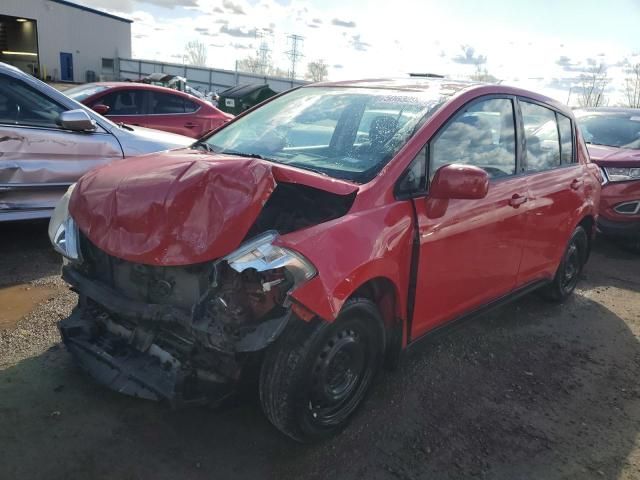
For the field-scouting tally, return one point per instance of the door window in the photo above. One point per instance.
(541, 137)
(167, 104)
(482, 135)
(22, 105)
(566, 140)
(124, 102)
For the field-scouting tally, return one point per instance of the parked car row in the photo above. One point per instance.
(151, 106)
(315, 237)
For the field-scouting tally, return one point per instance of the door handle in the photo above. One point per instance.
(191, 125)
(517, 200)
(576, 184)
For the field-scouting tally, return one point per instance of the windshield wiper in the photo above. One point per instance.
(126, 127)
(243, 154)
(311, 169)
(260, 157)
(204, 146)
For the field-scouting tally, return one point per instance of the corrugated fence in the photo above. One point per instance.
(201, 78)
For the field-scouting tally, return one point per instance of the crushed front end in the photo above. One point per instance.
(182, 334)
(180, 279)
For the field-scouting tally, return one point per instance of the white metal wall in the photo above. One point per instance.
(89, 37)
(204, 79)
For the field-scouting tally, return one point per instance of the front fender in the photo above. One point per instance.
(349, 251)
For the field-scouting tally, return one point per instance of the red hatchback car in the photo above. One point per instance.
(151, 106)
(318, 235)
(613, 140)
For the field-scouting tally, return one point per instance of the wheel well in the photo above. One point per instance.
(588, 223)
(382, 292)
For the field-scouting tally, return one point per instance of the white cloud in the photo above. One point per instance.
(358, 42)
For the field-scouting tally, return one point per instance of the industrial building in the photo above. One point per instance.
(62, 41)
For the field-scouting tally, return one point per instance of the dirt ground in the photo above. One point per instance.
(530, 391)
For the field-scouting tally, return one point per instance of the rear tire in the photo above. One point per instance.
(317, 374)
(570, 268)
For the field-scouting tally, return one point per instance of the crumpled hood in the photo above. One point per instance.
(177, 208)
(606, 156)
(180, 207)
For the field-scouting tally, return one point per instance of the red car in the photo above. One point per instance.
(150, 106)
(613, 140)
(318, 235)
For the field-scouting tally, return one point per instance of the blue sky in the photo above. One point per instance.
(543, 45)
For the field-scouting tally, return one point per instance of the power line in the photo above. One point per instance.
(264, 53)
(295, 52)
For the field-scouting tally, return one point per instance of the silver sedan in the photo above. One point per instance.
(48, 141)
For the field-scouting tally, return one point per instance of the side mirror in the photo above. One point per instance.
(101, 109)
(464, 182)
(76, 120)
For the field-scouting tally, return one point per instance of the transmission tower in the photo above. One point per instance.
(264, 53)
(294, 53)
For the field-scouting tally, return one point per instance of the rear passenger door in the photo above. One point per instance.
(555, 186)
(175, 113)
(125, 105)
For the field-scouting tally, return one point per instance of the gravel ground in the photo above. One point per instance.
(529, 391)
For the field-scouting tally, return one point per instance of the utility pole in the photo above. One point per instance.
(294, 53)
(264, 53)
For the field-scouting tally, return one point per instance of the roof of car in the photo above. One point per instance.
(145, 86)
(444, 88)
(619, 110)
(407, 84)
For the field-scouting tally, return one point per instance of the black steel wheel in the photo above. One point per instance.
(342, 367)
(316, 375)
(570, 268)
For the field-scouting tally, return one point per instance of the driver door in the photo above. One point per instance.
(470, 250)
(38, 159)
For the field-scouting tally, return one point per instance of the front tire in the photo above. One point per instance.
(570, 268)
(317, 374)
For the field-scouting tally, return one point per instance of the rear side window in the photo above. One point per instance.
(22, 105)
(124, 102)
(541, 137)
(482, 135)
(167, 104)
(566, 139)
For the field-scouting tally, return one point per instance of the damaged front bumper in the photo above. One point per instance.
(118, 366)
(158, 351)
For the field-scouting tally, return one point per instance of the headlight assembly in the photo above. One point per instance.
(260, 254)
(63, 231)
(622, 174)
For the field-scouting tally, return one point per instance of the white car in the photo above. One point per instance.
(48, 141)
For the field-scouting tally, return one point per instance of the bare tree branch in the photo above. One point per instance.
(593, 84)
(317, 71)
(482, 75)
(196, 53)
(632, 87)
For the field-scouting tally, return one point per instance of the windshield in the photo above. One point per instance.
(347, 133)
(612, 130)
(84, 91)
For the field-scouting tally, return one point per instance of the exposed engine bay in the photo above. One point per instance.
(292, 207)
(185, 333)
